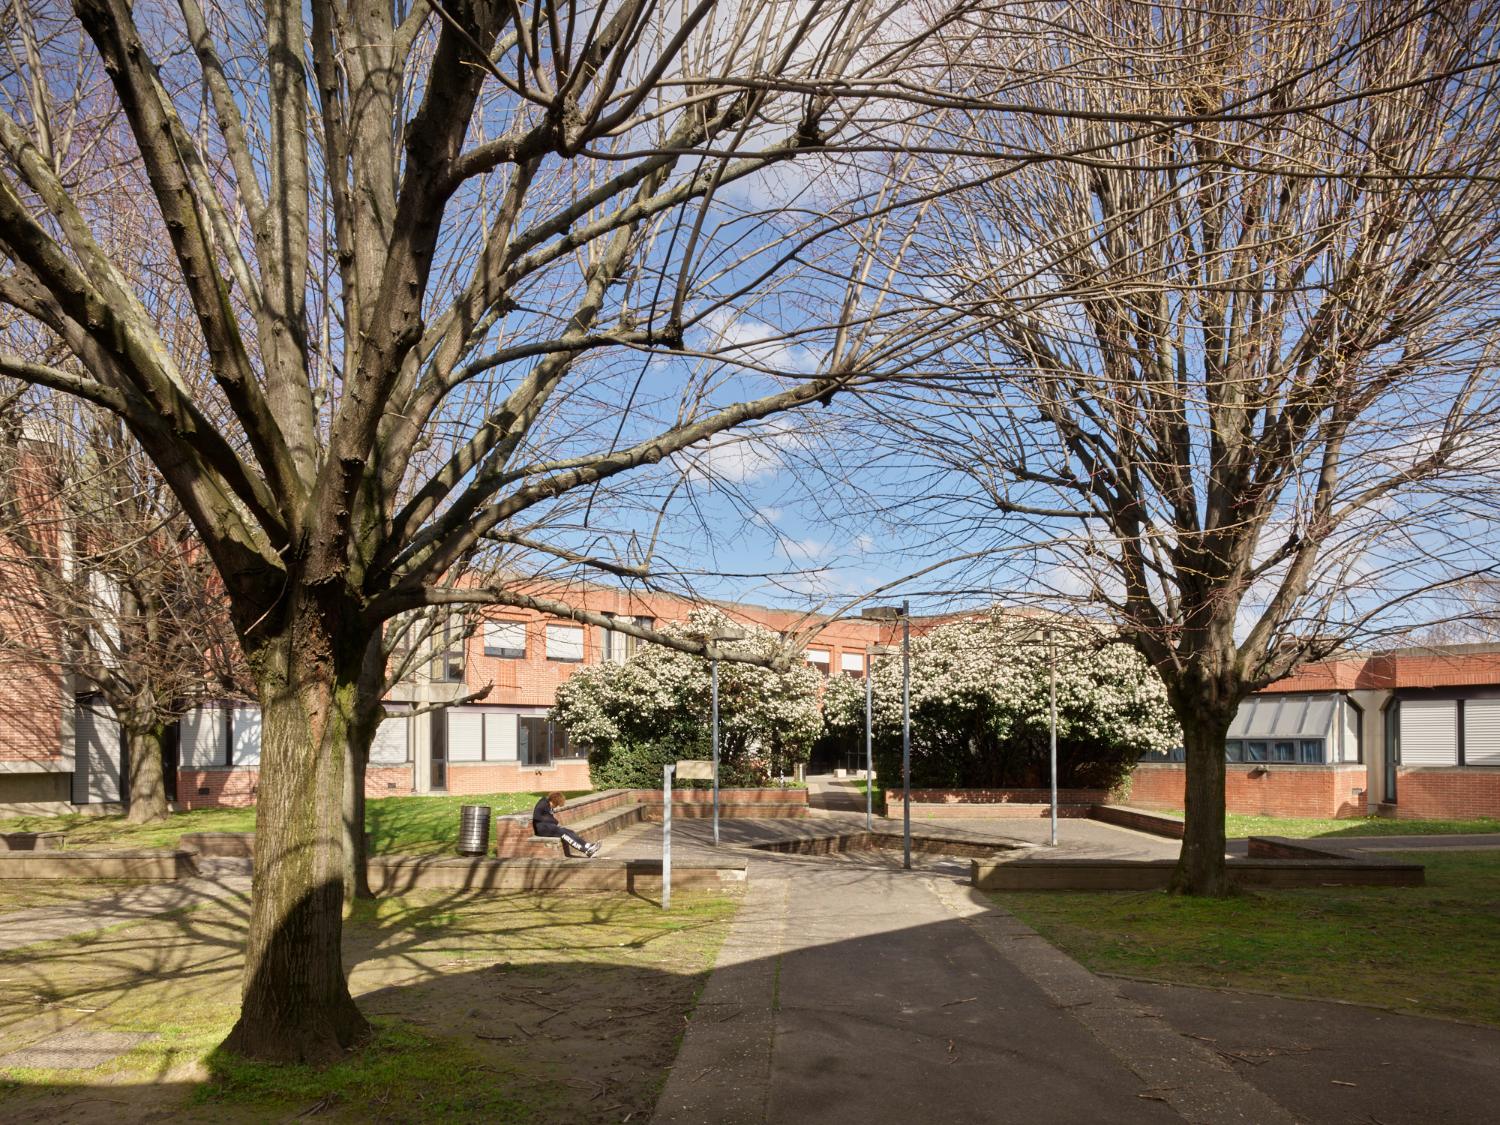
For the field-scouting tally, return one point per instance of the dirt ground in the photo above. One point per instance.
(513, 1007)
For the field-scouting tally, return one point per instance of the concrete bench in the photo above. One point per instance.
(513, 835)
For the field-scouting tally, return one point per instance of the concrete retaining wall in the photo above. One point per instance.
(1140, 820)
(32, 841)
(156, 865)
(394, 875)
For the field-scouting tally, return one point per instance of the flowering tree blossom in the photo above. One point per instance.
(655, 708)
(980, 712)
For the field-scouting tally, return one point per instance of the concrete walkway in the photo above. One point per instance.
(851, 991)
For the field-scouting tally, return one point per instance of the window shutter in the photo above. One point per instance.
(465, 736)
(564, 642)
(1429, 732)
(1482, 732)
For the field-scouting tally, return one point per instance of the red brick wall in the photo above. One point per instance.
(30, 714)
(508, 777)
(1426, 794)
(1002, 796)
(236, 789)
(1276, 790)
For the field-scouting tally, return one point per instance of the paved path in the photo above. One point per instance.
(851, 991)
(49, 923)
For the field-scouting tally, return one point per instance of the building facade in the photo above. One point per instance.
(442, 735)
(1412, 733)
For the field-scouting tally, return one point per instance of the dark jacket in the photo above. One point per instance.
(543, 820)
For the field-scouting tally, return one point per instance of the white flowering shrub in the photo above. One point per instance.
(980, 716)
(653, 709)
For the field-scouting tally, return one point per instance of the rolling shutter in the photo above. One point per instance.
(1429, 732)
(499, 736)
(97, 754)
(201, 738)
(465, 736)
(1481, 732)
(246, 744)
(564, 642)
(389, 746)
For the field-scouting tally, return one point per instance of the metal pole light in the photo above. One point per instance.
(869, 743)
(713, 676)
(892, 613)
(1052, 721)
(726, 634)
(906, 733)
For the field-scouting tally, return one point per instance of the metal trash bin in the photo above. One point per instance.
(474, 829)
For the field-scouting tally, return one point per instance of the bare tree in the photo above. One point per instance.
(1236, 383)
(462, 263)
(105, 581)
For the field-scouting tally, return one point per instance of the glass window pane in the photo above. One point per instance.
(1234, 751)
(1257, 752)
(1312, 750)
(1284, 752)
(532, 737)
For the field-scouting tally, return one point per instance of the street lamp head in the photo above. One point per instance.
(882, 612)
(882, 650)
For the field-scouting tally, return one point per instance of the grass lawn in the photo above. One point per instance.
(515, 1008)
(398, 825)
(1237, 826)
(1433, 950)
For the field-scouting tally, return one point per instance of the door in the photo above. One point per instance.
(1392, 749)
(437, 772)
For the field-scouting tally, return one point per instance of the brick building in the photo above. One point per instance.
(502, 742)
(1410, 733)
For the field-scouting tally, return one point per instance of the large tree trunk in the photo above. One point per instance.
(147, 787)
(362, 727)
(1200, 864)
(296, 1005)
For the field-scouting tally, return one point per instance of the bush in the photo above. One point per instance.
(653, 709)
(979, 710)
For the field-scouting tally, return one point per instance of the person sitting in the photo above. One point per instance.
(544, 823)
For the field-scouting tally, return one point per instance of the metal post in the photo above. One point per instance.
(714, 680)
(666, 837)
(869, 748)
(1052, 723)
(906, 731)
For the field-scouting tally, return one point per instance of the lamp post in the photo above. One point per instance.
(1052, 721)
(892, 613)
(729, 633)
(871, 652)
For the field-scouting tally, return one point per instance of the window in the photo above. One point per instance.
(565, 643)
(852, 664)
(1310, 750)
(818, 660)
(620, 647)
(448, 661)
(505, 639)
(1257, 752)
(1234, 750)
(540, 742)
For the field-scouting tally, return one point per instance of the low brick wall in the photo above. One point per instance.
(237, 788)
(512, 777)
(921, 844)
(682, 798)
(1265, 789)
(959, 804)
(1140, 820)
(154, 865)
(1438, 792)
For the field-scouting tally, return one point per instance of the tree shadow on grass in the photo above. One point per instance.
(478, 1002)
